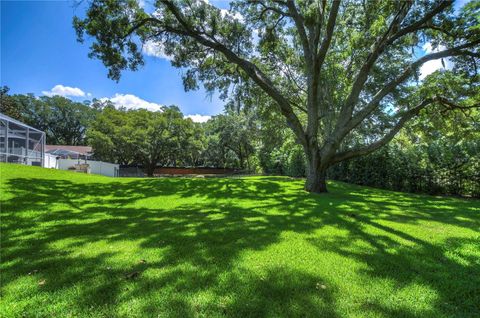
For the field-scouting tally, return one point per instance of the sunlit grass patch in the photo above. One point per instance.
(85, 245)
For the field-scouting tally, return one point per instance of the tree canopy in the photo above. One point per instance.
(333, 69)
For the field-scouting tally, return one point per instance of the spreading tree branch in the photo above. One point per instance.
(332, 18)
(393, 33)
(248, 67)
(390, 87)
(349, 154)
(315, 101)
(268, 8)
(377, 49)
(404, 118)
(300, 25)
(422, 22)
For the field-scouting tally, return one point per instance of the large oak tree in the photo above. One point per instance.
(331, 68)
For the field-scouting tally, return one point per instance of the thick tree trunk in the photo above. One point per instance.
(240, 157)
(316, 173)
(316, 181)
(149, 169)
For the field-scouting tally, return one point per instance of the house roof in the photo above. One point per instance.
(81, 150)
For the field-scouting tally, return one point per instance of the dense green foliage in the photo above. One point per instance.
(166, 138)
(231, 140)
(8, 105)
(141, 136)
(344, 75)
(90, 246)
(435, 169)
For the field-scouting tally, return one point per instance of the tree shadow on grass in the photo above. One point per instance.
(191, 249)
(198, 245)
(410, 208)
(450, 269)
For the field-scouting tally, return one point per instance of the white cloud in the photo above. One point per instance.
(197, 118)
(429, 67)
(433, 65)
(61, 90)
(151, 48)
(225, 12)
(232, 14)
(130, 101)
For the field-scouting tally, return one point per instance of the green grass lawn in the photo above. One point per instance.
(76, 245)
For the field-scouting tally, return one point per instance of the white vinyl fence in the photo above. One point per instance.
(96, 167)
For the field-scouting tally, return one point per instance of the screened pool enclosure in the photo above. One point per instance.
(20, 143)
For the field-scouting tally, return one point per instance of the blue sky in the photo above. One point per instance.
(40, 55)
(39, 51)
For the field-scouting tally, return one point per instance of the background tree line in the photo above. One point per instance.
(63, 120)
(139, 137)
(439, 156)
